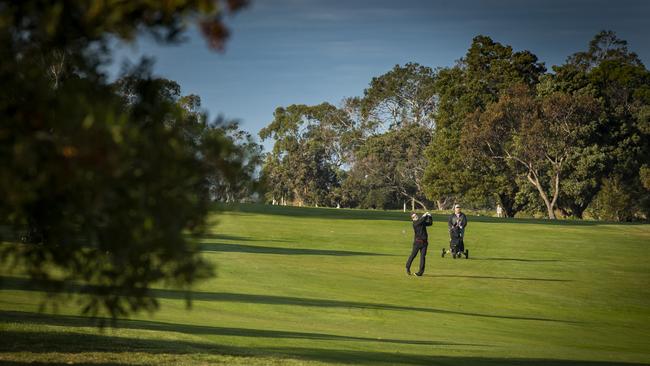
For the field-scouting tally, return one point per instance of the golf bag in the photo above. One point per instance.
(456, 243)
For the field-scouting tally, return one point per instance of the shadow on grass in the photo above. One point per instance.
(74, 342)
(237, 238)
(356, 357)
(327, 303)
(517, 259)
(71, 342)
(19, 363)
(257, 249)
(15, 283)
(78, 321)
(452, 276)
(364, 214)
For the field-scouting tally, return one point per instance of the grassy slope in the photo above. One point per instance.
(311, 286)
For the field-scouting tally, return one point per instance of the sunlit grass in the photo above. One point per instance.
(310, 286)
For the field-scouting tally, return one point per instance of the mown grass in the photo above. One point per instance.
(305, 286)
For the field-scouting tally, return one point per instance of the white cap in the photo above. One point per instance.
(457, 206)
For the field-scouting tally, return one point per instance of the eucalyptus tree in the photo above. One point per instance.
(487, 69)
(403, 96)
(311, 144)
(393, 163)
(398, 109)
(538, 134)
(616, 76)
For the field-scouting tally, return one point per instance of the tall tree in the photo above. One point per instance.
(487, 69)
(106, 186)
(244, 159)
(398, 105)
(309, 150)
(394, 162)
(402, 96)
(618, 77)
(538, 134)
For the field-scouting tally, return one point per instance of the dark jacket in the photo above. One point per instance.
(457, 223)
(420, 228)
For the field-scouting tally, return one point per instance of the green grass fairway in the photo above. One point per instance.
(305, 286)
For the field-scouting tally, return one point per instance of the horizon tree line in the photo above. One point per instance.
(495, 128)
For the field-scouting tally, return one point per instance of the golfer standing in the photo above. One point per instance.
(458, 219)
(420, 241)
(457, 223)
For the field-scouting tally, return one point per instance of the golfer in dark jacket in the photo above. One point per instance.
(420, 241)
(457, 224)
(457, 219)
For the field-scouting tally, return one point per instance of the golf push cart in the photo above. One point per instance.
(456, 244)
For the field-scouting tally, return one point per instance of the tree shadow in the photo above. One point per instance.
(358, 357)
(452, 276)
(74, 342)
(78, 321)
(32, 363)
(71, 342)
(517, 259)
(216, 236)
(328, 303)
(14, 283)
(365, 214)
(258, 249)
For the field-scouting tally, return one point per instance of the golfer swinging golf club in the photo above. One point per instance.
(420, 241)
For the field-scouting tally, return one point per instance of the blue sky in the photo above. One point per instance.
(284, 52)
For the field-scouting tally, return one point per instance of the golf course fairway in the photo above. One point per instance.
(310, 286)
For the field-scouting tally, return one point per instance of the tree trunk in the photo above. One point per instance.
(414, 201)
(549, 205)
(556, 192)
(424, 207)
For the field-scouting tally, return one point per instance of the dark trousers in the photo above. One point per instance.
(418, 247)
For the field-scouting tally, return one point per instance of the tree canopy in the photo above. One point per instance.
(103, 182)
(495, 128)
